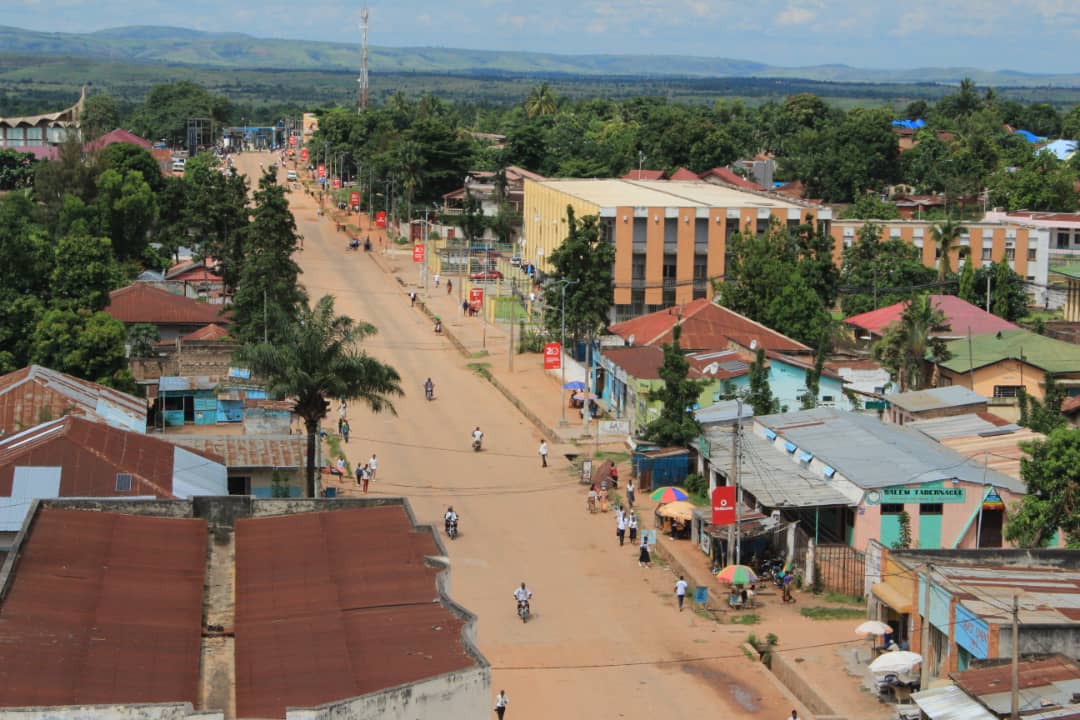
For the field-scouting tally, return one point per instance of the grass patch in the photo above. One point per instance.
(745, 619)
(480, 354)
(832, 613)
(480, 368)
(333, 443)
(613, 456)
(835, 597)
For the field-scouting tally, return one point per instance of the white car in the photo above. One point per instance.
(291, 175)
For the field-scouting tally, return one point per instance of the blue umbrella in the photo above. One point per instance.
(574, 385)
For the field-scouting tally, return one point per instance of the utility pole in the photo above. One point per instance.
(1014, 713)
(924, 642)
(362, 81)
(734, 480)
(513, 313)
(484, 306)
(562, 345)
(988, 276)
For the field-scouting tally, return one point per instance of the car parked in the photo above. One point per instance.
(291, 175)
(486, 275)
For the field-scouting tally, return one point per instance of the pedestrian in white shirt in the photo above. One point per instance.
(501, 701)
(620, 527)
(680, 591)
(631, 525)
(630, 491)
(372, 466)
(543, 453)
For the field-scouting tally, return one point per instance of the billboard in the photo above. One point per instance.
(418, 253)
(723, 505)
(322, 172)
(380, 219)
(354, 198)
(292, 140)
(303, 153)
(552, 356)
(337, 183)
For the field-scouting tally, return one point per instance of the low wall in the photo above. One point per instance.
(787, 673)
(148, 711)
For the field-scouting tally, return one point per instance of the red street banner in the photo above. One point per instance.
(450, 233)
(292, 140)
(322, 171)
(418, 253)
(337, 183)
(476, 296)
(380, 219)
(723, 505)
(552, 356)
(303, 153)
(354, 198)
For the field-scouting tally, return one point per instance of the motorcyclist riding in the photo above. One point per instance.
(450, 518)
(429, 391)
(477, 438)
(523, 595)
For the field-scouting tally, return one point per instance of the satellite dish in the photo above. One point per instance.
(753, 344)
(631, 340)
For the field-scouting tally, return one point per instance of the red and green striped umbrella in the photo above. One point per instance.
(737, 575)
(669, 494)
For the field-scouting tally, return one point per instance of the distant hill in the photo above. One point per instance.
(180, 46)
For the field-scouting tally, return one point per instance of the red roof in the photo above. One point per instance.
(118, 136)
(34, 394)
(683, 174)
(644, 175)
(104, 609)
(705, 326)
(207, 332)
(960, 315)
(726, 175)
(642, 362)
(347, 606)
(1070, 404)
(90, 456)
(142, 303)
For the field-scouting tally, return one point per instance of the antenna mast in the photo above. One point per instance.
(362, 81)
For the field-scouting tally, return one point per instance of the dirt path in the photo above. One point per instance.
(601, 623)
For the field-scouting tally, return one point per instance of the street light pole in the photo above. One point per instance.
(562, 345)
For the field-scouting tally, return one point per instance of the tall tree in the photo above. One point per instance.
(100, 114)
(1051, 472)
(945, 236)
(676, 426)
(1045, 416)
(966, 291)
(910, 343)
(1008, 292)
(268, 296)
(584, 264)
(216, 215)
(16, 169)
(878, 272)
(320, 359)
(84, 274)
(540, 101)
(127, 209)
(84, 344)
(759, 394)
(809, 399)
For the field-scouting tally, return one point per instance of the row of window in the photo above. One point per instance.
(924, 509)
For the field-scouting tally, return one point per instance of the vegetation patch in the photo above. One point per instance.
(820, 612)
(745, 619)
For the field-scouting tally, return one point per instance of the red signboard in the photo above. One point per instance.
(322, 171)
(292, 140)
(450, 233)
(337, 183)
(380, 219)
(552, 356)
(303, 153)
(354, 198)
(476, 296)
(418, 253)
(723, 505)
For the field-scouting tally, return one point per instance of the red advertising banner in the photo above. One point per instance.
(723, 505)
(552, 356)
(303, 153)
(476, 296)
(322, 171)
(337, 183)
(354, 198)
(292, 140)
(450, 233)
(418, 253)
(380, 219)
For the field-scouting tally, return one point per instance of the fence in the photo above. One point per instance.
(840, 568)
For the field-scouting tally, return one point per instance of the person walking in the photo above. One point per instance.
(630, 492)
(359, 475)
(412, 299)
(620, 527)
(680, 591)
(436, 279)
(372, 466)
(543, 453)
(501, 701)
(345, 431)
(794, 716)
(365, 477)
(631, 525)
(643, 559)
(449, 286)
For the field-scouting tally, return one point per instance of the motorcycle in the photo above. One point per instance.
(429, 393)
(451, 529)
(476, 444)
(352, 246)
(523, 610)
(438, 328)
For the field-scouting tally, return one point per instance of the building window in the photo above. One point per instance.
(986, 253)
(123, 482)
(1010, 254)
(1006, 391)
(637, 268)
(700, 268)
(930, 509)
(762, 226)
(1063, 240)
(892, 508)
(669, 270)
(1033, 254)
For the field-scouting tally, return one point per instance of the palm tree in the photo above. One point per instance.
(541, 101)
(320, 362)
(945, 236)
(911, 342)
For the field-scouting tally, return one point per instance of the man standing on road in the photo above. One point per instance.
(501, 701)
(543, 453)
(372, 466)
(620, 527)
(680, 591)
(436, 279)
(630, 492)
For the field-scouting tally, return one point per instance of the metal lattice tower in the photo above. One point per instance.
(362, 81)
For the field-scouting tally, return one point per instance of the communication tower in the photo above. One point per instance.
(362, 81)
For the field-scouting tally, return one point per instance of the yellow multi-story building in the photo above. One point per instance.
(670, 237)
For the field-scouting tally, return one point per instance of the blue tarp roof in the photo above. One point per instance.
(1062, 149)
(1029, 136)
(910, 124)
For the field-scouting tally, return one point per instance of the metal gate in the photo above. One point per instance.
(840, 568)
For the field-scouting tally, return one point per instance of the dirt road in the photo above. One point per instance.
(600, 624)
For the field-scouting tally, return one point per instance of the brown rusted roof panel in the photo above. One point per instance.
(334, 605)
(104, 608)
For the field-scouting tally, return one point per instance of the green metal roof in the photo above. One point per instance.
(1072, 270)
(1052, 356)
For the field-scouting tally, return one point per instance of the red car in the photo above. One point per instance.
(488, 275)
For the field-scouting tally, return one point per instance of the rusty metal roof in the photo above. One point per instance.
(344, 607)
(141, 303)
(104, 608)
(249, 451)
(1043, 684)
(34, 394)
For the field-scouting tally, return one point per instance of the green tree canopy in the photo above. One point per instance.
(127, 210)
(100, 115)
(870, 206)
(878, 273)
(909, 343)
(16, 169)
(84, 344)
(676, 426)
(320, 358)
(584, 264)
(1051, 472)
(85, 273)
(759, 394)
(167, 109)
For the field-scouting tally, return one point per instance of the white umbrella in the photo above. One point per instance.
(895, 662)
(873, 627)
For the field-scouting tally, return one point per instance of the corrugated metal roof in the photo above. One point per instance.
(173, 383)
(1051, 681)
(104, 608)
(961, 318)
(725, 412)
(1045, 353)
(873, 454)
(249, 451)
(936, 398)
(345, 607)
(773, 478)
(142, 303)
(35, 393)
(976, 436)
(950, 703)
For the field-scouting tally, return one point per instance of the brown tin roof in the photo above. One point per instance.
(142, 303)
(105, 608)
(35, 394)
(345, 607)
(249, 451)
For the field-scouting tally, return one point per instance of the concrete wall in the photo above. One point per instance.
(787, 673)
(163, 711)
(544, 221)
(464, 694)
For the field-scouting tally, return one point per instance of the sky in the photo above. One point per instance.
(1041, 36)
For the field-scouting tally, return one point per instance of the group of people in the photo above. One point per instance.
(365, 473)
(626, 520)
